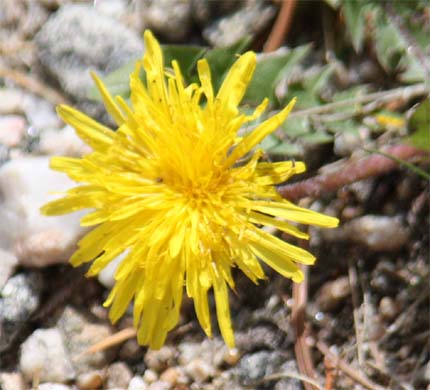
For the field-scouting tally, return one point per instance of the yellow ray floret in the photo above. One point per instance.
(181, 195)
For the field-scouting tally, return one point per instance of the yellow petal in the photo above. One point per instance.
(222, 307)
(261, 132)
(96, 135)
(234, 85)
(108, 101)
(293, 213)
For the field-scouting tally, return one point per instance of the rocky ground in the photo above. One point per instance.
(360, 321)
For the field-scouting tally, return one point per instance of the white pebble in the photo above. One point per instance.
(137, 383)
(43, 355)
(36, 240)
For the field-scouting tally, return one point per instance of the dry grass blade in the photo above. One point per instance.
(281, 26)
(33, 85)
(347, 369)
(110, 341)
(287, 374)
(301, 348)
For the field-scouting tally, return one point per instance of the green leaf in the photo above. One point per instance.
(308, 90)
(317, 137)
(187, 57)
(222, 58)
(419, 124)
(287, 149)
(269, 71)
(355, 12)
(116, 82)
(296, 127)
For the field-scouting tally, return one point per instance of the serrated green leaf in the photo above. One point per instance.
(355, 12)
(419, 124)
(269, 71)
(388, 44)
(308, 90)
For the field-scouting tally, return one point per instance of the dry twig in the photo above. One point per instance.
(33, 85)
(110, 341)
(281, 26)
(353, 171)
(347, 369)
(301, 348)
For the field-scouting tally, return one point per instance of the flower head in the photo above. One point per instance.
(182, 194)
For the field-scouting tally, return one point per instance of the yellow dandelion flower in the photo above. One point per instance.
(181, 193)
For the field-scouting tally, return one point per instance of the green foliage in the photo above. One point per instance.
(419, 126)
(396, 29)
(269, 71)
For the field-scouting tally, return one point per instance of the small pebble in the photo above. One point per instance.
(160, 385)
(378, 233)
(150, 376)
(12, 381)
(388, 308)
(62, 142)
(137, 383)
(43, 355)
(90, 380)
(12, 130)
(36, 240)
(159, 360)
(174, 376)
(118, 375)
(200, 370)
(232, 356)
(332, 293)
(53, 386)
(11, 101)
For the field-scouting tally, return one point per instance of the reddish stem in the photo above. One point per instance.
(353, 171)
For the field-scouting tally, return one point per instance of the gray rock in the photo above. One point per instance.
(249, 20)
(253, 367)
(77, 38)
(19, 298)
(40, 114)
(36, 240)
(170, 18)
(80, 331)
(43, 354)
(289, 367)
(204, 11)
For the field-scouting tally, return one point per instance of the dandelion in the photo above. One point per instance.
(180, 193)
